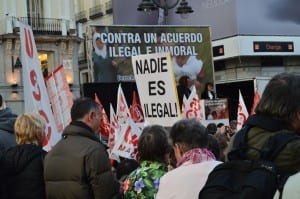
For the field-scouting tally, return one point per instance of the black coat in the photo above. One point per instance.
(22, 168)
(182, 91)
(204, 95)
(7, 136)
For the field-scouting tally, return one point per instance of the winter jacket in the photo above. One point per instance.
(22, 168)
(78, 167)
(264, 127)
(7, 121)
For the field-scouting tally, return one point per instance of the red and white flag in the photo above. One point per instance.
(113, 134)
(126, 146)
(114, 128)
(136, 110)
(255, 102)
(193, 107)
(242, 114)
(60, 97)
(122, 111)
(104, 123)
(184, 103)
(36, 98)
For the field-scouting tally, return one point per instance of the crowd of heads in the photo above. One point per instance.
(280, 101)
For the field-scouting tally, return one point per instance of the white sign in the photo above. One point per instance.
(35, 93)
(157, 89)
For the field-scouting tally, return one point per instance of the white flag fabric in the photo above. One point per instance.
(113, 134)
(193, 107)
(35, 93)
(242, 114)
(122, 112)
(126, 146)
(60, 97)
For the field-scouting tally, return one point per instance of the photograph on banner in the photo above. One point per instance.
(156, 87)
(190, 48)
(217, 111)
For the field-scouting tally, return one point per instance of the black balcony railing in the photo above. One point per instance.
(43, 25)
(80, 17)
(96, 12)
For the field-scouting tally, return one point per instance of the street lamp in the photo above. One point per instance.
(150, 5)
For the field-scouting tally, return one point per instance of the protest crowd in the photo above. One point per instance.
(139, 160)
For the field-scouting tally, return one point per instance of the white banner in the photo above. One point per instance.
(60, 97)
(35, 93)
(157, 89)
(126, 144)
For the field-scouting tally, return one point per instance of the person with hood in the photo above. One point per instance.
(22, 165)
(105, 68)
(7, 121)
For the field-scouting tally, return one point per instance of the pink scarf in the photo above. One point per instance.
(196, 156)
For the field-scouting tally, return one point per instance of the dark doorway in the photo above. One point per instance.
(231, 92)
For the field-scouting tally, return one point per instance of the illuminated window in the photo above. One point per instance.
(43, 58)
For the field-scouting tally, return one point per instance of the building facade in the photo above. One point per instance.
(58, 27)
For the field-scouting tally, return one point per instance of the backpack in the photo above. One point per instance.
(241, 178)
